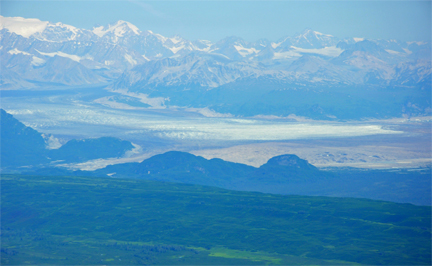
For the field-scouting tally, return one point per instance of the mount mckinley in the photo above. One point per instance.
(180, 73)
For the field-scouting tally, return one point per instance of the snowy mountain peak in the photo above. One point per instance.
(306, 31)
(309, 33)
(42, 51)
(118, 29)
(22, 26)
(61, 25)
(313, 39)
(129, 25)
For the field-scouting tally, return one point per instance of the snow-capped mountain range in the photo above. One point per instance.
(35, 52)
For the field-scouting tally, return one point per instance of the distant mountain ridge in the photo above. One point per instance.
(103, 53)
(311, 74)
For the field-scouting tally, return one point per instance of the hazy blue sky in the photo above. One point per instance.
(251, 20)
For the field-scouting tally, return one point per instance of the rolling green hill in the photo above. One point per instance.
(90, 220)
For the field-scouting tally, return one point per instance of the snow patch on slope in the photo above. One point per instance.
(16, 51)
(175, 49)
(161, 38)
(322, 34)
(391, 51)
(275, 45)
(331, 51)
(36, 61)
(175, 40)
(407, 51)
(286, 55)
(70, 56)
(207, 43)
(245, 51)
(130, 60)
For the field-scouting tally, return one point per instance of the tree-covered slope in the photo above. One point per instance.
(76, 220)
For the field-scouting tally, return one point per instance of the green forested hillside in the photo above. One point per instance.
(89, 220)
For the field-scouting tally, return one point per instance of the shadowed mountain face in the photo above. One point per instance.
(20, 145)
(24, 146)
